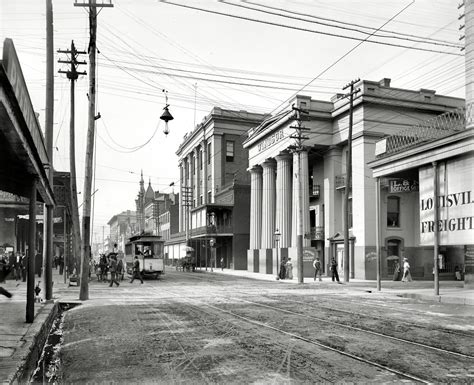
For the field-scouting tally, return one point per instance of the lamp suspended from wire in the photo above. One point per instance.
(166, 115)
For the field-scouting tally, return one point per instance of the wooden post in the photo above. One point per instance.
(377, 233)
(30, 284)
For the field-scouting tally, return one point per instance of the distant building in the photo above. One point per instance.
(122, 227)
(214, 191)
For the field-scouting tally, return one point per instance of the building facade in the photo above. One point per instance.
(214, 191)
(425, 189)
(277, 173)
(122, 226)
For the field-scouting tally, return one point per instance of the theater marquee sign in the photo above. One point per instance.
(455, 201)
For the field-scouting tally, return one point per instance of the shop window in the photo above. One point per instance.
(393, 212)
(229, 154)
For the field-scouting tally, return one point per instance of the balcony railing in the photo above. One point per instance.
(433, 129)
(211, 230)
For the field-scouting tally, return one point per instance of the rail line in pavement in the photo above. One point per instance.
(192, 302)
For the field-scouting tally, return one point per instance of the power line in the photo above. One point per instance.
(433, 41)
(307, 29)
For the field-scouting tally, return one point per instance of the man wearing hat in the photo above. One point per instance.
(317, 269)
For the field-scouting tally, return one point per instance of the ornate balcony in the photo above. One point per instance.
(430, 130)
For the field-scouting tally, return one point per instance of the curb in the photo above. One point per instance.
(33, 343)
(439, 298)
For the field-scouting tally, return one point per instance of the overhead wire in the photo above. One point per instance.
(307, 29)
(423, 39)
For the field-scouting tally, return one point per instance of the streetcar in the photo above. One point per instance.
(150, 252)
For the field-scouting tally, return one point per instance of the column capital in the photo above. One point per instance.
(269, 163)
(257, 169)
(282, 156)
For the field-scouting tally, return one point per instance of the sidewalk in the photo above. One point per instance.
(450, 292)
(21, 343)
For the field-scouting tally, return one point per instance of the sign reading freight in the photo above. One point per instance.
(402, 185)
(455, 202)
(271, 140)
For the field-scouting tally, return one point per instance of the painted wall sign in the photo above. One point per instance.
(455, 201)
(271, 140)
(402, 185)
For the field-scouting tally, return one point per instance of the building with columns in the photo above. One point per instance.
(215, 191)
(277, 173)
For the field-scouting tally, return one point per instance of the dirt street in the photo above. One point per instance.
(203, 328)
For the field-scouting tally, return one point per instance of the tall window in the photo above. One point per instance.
(200, 160)
(393, 212)
(349, 209)
(229, 154)
(209, 156)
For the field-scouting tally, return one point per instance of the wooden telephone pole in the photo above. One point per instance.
(86, 213)
(72, 75)
(298, 148)
(348, 188)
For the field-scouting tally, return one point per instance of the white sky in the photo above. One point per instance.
(146, 46)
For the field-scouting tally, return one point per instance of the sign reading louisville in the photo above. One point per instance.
(455, 202)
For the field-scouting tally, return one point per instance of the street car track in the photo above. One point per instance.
(400, 310)
(360, 329)
(203, 308)
(337, 310)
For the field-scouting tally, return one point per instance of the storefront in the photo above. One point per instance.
(429, 198)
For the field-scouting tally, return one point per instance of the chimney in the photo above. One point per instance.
(385, 82)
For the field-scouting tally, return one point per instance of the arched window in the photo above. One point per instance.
(393, 211)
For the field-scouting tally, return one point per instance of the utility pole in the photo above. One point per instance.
(347, 190)
(72, 75)
(86, 213)
(49, 115)
(298, 148)
(186, 203)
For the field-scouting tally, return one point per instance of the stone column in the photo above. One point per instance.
(268, 204)
(256, 183)
(283, 199)
(204, 171)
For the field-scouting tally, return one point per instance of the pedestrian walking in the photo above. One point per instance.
(113, 271)
(289, 269)
(406, 271)
(37, 292)
(334, 273)
(4, 271)
(282, 274)
(396, 271)
(222, 263)
(136, 271)
(120, 270)
(317, 269)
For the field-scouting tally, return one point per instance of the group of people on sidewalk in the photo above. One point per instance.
(318, 270)
(406, 277)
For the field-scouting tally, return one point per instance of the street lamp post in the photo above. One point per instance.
(277, 236)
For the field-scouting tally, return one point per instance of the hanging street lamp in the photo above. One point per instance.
(166, 115)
